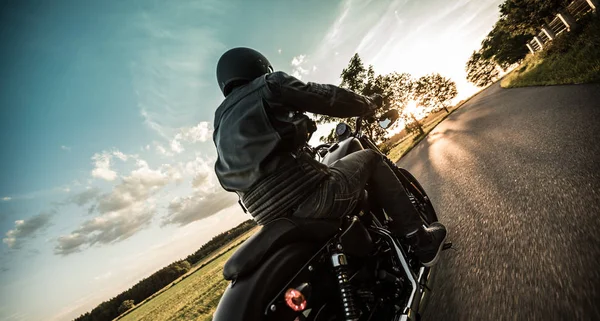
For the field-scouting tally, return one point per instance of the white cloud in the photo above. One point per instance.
(127, 209)
(70, 243)
(151, 121)
(66, 148)
(200, 179)
(102, 167)
(202, 173)
(102, 164)
(160, 149)
(120, 155)
(6, 198)
(137, 187)
(297, 69)
(110, 227)
(298, 60)
(197, 206)
(25, 229)
(176, 146)
(206, 199)
(199, 133)
(107, 228)
(83, 198)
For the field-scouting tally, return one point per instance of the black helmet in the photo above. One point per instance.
(240, 65)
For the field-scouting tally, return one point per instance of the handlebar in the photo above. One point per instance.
(357, 126)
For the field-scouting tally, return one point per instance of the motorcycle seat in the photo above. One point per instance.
(272, 237)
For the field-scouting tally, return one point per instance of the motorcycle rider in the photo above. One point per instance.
(259, 130)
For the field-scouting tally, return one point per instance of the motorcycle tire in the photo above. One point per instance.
(421, 200)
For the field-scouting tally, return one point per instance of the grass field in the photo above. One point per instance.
(572, 58)
(195, 295)
(193, 298)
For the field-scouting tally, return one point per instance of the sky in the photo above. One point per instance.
(106, 116)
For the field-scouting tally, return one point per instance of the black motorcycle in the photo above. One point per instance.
(326, 270)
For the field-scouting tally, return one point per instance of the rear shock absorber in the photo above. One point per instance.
(340, 268)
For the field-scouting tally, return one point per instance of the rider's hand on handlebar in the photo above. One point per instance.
(377, 100)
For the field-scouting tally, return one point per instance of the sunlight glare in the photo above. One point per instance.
(413, 108)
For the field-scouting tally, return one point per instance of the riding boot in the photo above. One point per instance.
(427, 242)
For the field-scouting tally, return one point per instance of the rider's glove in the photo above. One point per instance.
(377, 100)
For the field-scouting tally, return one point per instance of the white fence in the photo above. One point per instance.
(564, 21)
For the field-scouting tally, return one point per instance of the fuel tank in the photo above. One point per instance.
(341, 149)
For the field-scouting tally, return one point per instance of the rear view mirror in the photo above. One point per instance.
(385, 123)
(388, 118)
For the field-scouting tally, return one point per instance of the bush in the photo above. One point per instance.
(572, 58)
(126, 305)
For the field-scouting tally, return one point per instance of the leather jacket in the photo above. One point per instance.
(258, 131)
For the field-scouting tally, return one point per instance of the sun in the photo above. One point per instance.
(412, 107)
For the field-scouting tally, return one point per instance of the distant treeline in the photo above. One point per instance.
(111, 309)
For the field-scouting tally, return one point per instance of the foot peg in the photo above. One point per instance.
(447, 245)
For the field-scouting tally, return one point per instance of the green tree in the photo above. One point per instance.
(503, 47)
(380, 85)
(525, 17)
(329, 138)
(481, 71)
(413, 125)
(399, 90)
(126, 305)
(435, 91)
(355, 75)
(363, 80)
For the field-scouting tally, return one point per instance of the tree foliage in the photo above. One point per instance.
(394, 88)
(481, 71)
(397, 89)
(126, 305)
(504, 46)
(354, 76)
(435, 91)
(525, 17)
(413, 125)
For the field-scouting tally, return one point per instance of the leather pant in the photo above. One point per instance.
(340, 192)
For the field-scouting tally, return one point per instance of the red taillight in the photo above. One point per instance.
(295, 299)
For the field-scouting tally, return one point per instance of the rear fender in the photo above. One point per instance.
(248, 298)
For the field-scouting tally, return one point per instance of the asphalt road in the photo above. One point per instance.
(515, 176)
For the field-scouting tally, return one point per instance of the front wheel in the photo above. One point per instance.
(416, 193)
